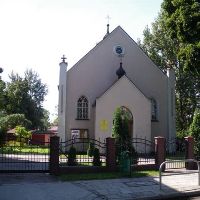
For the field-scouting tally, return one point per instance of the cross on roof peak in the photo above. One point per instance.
(108, 18)
(63, 58)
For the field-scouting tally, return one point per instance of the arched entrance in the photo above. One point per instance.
(126, 113)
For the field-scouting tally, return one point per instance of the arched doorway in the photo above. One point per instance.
(127, 113)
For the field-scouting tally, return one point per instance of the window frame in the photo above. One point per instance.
(154, 110)
(82, 108)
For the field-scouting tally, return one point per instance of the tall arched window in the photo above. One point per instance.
(154, 110)
(82, 108)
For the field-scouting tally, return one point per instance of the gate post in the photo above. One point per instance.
(54, 155)
(160, 150)
(189, 151)
(110, 154)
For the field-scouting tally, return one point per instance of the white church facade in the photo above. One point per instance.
(116, 73)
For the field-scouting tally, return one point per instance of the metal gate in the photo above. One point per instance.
(175, 150)
(23, 155)
(141, 151)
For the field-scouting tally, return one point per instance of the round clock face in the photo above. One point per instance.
(119, 50)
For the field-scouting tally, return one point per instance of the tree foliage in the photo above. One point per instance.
(195, 130)
(13, 120)
(25, 95)
(183, 22)
(2, 95)
(37, 90)
(21, 132)
(120, 126)
(164, 50)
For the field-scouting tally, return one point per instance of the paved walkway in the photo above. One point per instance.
(46, 187)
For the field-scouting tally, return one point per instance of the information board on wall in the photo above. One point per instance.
(75, 134)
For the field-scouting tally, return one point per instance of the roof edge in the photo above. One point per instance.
(94, 48)
(124, 76)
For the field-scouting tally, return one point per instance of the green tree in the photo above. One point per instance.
(120, 131)
(183, 22)
(164, 50)
(2, 95)
(37, 89)
(25, 96)
(21, 132)
(195, 130)
(17, 96)
(13, 120)
(45, 121)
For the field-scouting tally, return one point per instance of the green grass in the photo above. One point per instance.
(106, 175)
(24, 149)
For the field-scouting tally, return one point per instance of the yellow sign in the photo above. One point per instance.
(103, 125)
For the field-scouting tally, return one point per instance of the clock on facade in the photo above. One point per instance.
(119, 50)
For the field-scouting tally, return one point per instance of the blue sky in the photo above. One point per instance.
(36, 33)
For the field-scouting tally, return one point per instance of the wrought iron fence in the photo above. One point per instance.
(20, 156)
(175, 150)
(82, 152)
(145, 150)
(141, 150)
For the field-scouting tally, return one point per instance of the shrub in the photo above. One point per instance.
(72, 156)
(181, 134)
(90, 151)
(195, 130)
(120, 131)
(96, 158)
(128, 147)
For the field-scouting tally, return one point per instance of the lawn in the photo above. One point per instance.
(106, 175)
(24, 149)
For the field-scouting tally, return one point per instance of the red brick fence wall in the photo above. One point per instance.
(160, 154)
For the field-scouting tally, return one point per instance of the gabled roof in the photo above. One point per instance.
(97, 45)
(118, 28)
(116, 82)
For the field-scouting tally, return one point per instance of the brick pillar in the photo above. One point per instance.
(189, 151)
(110, 154)
(54, 155)
(160, 150)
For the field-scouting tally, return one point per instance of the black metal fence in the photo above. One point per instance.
(145, 150)
(175, 150)
(20, 156)
(82, 152)
(141, 150)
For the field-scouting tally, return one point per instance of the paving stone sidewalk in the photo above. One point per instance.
(45, 187)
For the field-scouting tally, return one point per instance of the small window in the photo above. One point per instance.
(82, 108)
(154, 110)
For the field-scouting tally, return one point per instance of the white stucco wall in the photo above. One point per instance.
(96, 72)
(123, 93)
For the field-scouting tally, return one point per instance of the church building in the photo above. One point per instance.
(116, 73)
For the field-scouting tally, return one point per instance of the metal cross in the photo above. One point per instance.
(63, 58)
(108, 18)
